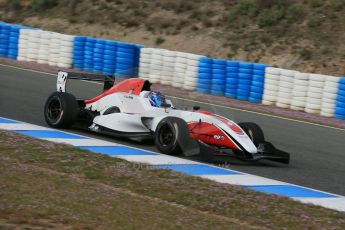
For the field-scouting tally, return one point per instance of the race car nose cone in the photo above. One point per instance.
(253, 149)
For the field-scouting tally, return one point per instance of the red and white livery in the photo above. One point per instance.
(125, 110)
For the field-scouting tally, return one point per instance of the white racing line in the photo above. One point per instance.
(218, 174)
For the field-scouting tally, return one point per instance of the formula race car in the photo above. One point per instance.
(130, 109)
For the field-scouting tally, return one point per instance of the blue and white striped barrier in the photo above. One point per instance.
(258, 83)
(218, 174)
(67, 51)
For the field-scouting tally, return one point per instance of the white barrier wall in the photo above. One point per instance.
(144, 65)
(151, 64)
(312, 93)
(168, 67)
(329, 96)
(177, 69)
(66, 51)
(192, 72)
(23, 44)
(54, 49)
(43, 52)
(299, 91)
(180, 68)
(33, 45)
(46, 47)
(271, 89)
(285, 88)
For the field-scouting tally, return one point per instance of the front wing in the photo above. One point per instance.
(266, 151)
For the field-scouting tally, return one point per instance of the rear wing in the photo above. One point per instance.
(63, 76)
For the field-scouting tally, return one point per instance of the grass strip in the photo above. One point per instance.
(44, 184)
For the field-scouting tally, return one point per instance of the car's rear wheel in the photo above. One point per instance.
(61, 110)
(254, 132)
(170, 135)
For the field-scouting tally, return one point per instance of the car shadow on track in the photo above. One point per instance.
(226, 161)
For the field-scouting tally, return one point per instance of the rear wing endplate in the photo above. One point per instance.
(63, 76)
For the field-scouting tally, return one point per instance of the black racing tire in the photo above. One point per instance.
(61, 110)
(170, 134)
(254, 132)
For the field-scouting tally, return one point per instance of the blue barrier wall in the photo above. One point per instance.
(9, 39)
(218, 77)
(231, 79)
(79, 51)
(13, 42)
(340, 105)
(98, 56)
(88, 54)
(245, 75)
(5, 31)
(106, 56)
(204, 75)
(234, 79)
(127, 59)
(258, 83)
(109, 58)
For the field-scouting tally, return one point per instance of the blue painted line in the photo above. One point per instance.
(290, 191)
(117, 150)
(48, 134)
(198, 169)
(7, 121)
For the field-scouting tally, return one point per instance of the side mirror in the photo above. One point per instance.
(195, 107)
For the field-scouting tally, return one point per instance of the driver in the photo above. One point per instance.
(156, 98)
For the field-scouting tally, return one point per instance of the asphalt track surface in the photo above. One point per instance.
(317, 152)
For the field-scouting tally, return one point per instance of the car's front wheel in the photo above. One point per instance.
(61, 110)
(170, 135)
(254, 132)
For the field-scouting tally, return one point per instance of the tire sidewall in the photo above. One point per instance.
(49, 101)
(179, 128)
(69, 110)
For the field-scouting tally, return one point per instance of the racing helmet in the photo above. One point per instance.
(156, 98)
